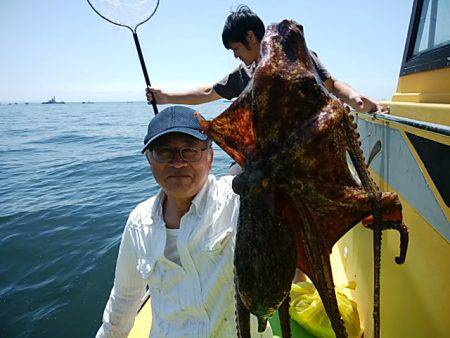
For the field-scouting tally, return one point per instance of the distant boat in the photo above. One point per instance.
(53, 101)
(87, 102)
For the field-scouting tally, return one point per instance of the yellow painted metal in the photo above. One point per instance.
(424, 87)
(143, 322)
(426, 112)
(415, 297)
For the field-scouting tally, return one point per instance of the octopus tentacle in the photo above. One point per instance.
(377, 238)
(285, 321)
(374, 195)
(322, 275)
(242, 316)
(404, 237)
(378, 226)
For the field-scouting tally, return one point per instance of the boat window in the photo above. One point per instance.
(428, 41)
(433, 29)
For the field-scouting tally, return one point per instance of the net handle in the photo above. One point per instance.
(144, 70)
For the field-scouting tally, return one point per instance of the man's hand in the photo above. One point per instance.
(363, 104)
(160, 96)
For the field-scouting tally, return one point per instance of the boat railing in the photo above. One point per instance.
(427, 126)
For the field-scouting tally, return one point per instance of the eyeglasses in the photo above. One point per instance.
(187, 154)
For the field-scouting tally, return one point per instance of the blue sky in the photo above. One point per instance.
(62, 48)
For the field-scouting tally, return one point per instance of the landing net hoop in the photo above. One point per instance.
(129, 14)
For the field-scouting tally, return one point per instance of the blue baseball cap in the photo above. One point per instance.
(174, 119)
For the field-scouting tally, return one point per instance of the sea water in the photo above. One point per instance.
(69, 176)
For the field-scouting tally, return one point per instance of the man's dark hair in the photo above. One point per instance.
(237, 25)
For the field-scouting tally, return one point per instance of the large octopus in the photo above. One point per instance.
(298, 196)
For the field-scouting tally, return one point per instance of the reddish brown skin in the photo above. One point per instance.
(298, 196)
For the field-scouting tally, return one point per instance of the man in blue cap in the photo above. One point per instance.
(180, 242)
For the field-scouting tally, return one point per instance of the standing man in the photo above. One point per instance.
(179, 243)
(242, 33)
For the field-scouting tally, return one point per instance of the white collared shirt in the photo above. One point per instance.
(194, 299)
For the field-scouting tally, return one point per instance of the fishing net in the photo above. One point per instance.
(129, 14)
(125, 13)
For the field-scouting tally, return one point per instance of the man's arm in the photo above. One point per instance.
(356, 100)
(190, 96)
(126, 294)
